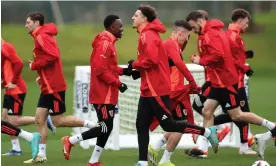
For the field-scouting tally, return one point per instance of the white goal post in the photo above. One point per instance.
(124, 130)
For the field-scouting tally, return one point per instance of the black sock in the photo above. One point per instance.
(222, 118)
(273, 132)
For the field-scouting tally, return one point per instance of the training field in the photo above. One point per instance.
(75, 45)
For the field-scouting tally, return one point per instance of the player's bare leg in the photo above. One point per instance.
(173, 140)
(71, 121)
(40, 118)
(16, 121)
(249, 117)
(209, 108)
(153, 149)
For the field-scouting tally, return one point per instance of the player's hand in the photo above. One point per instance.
(10, 85)
(122, 88)
(30, 64)
(195, 59)
(38, 80)
(250, 72)
(126, 72)
(130, 65)
(249, 54)
(135, 74)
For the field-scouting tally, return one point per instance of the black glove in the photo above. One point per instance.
(249, 54)
(126, 72)
(135, 74)
(249, 73)
(122, 88)
(130, 65)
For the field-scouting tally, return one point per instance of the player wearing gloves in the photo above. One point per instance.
(239, 24)
(104, 88)
(154, 102)
(180, 95)
(216, 55)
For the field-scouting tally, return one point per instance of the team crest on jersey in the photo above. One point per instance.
(185, 112)
(242, 103)
(111, 113)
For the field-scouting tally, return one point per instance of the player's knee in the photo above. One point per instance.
(39, 120)
(207, 113)
(237, 116)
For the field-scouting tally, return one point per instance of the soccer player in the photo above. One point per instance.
(217, 56)
(104, 88)
(154, 102)
(180, 96)
(15, 92)
(262, 140)
(239, 18)
(32, 138)
(47, 63)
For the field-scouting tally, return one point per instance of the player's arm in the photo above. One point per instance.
(173, 53)
(100, 65)
(17, 64)
(151, 53)
(47, 44)
(236, 52)
(120, 70)
(215, 51)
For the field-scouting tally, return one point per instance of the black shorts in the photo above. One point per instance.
(179, 112)
(105, 112)
(14, 103)
(202, 97)
(243, 100)
(54, 102)
(226, 98)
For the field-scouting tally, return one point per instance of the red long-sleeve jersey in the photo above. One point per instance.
(238, 51)
(47, 61)
(104, 77)
(179, 70)
(216, 55)
(11, 68)
(153, 61)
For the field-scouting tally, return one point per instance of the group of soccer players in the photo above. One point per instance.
(164, 98)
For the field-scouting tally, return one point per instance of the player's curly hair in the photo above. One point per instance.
(109, 20)
(183, 24)
(194, 16)
(204, 13)
(36, 16)
(148, 12)
(240, 14)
